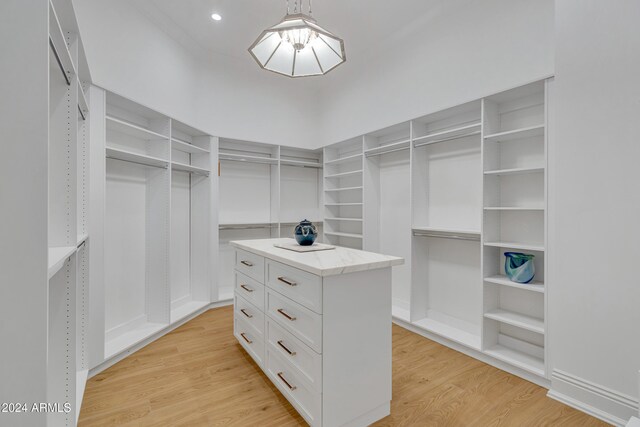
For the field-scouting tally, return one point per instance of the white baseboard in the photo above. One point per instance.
(601, 402)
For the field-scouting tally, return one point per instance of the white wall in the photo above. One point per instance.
(594, 188)
(462, 51)
(222, 95)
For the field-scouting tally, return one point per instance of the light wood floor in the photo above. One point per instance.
(198, 375)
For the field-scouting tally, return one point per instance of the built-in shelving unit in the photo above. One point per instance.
(265, 190)
(158, 198)
(343, 193)
(514, 148)
(451, 192)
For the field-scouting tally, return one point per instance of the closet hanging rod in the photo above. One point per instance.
(386, 152)
(446, 236)
(451, 138)
(246, 226)
(138, 163)
(242, 160)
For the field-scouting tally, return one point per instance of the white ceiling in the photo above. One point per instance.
(361, 23)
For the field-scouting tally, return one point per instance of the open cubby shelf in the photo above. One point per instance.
(137, 158)
(519, 359)
(515, 171)
(516, 245)
(513, 135)
(516, 319)
(500, 279)
(186, 147)
(132, 129)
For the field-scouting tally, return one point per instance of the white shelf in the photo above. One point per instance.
(343, 204)
(185, 147)
(516, 134)
(59, 45)
(448, 232)
(142, 159)
(331, 190)
(187, 309)
(513, 245)
(83, 106)
(81, 384)
(131, 338)
(339, 234)
(391, 147)
(301, 163)
(188, 168)
(81, 239)
(247, 158)
(514, 171)
(513, 208)
(449, 332)
(533, 286)
(516, 358)
(345, 174)
(134, 130)
(57, 258)
(344, 219)
(448, 135)
(529, 323)
(344, 159)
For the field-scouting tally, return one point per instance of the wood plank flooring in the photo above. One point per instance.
(198, 375)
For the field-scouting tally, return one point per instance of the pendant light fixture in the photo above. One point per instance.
(297, 46)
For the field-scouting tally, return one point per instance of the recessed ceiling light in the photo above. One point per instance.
(216, 16)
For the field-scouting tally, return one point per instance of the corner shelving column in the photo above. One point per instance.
(343, 193)
(514, 219)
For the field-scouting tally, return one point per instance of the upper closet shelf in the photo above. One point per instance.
(513, 135)
(83, 106)
(345, 174)
(447, 233)
(131, 129)
(188, 168)
(513, 245)
(59, 45)
(388, 148)
(329, 190)
(140, 159)
(185, 147)
(514, 208)
(57, 258)
(301, 163)
(344, 159)
(514, 171)
(247, 158)
(448, 135)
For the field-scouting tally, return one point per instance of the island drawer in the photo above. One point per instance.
(303, 323)
(250, 314)
(250, 264)
(302, 287)
(295, 353)
(249, 339)
(302, 396)
(250, 289)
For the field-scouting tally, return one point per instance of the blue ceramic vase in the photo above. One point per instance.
(519, 267)
(305, 233)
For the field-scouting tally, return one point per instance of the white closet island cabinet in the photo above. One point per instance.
(319, 325)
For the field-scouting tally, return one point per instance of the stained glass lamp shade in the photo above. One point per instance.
(298, 47)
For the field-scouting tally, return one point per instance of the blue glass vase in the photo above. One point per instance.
(305, 233)
(519, 267)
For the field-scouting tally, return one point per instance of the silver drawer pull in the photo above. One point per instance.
(247, 263)
(284, 313)
(291, 353)
(291, 387)
(246, 288)
(243, 311)
(287, 281)
(245, 338)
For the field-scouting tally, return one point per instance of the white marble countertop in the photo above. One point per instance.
(321, 263)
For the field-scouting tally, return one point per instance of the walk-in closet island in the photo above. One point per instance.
(319, 325)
